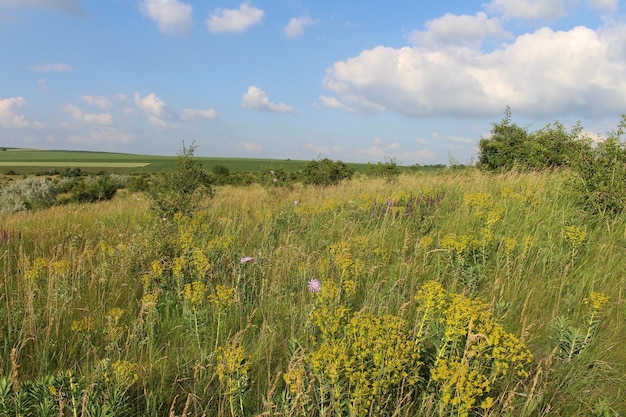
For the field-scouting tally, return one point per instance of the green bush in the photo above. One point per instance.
(511, 146)
(182, 190)
(601, 174)
(94, 189)
(325, 172)
(388, 169)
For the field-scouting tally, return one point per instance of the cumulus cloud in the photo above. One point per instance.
(380, 150)
(92, 118)
(106, 134)
(9, 117)
(256, 99)
(605, 5)
(457, 30)
(154, 108)
(296, 26)
(332, 102)
(318, 149)
(66, 6)
(103, 102)
(249, 146)
(172, 16)
(546, 73)
(195, 114)
(58, 67)
(528, 9)
(234, 20)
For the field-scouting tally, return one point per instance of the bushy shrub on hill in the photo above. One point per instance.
(601, 174)
(511, 146)
(182, 190)
(325, 172)
(28, 194)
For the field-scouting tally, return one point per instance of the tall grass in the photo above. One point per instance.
(107, 311)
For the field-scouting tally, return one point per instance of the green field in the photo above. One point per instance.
(31, 161)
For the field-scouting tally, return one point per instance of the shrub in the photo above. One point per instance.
(388, 170)
(601, 174)
(100, 188)
(182, 190)
(325, 172)
(28, 194)
(513, 146)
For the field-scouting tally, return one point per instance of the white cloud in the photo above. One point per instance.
(256, 99)
(106, 134)
(461, 140)
(66, 6)
(42, 85)
(92, 118)
(104, 102)
(194, 114)
(249, 146)
(333, 103)
(155, 109)
(380, 151)
(173, 16)
(8, 116)
(458, 30)
(58, 67)
(528, 9)
(546, 73)
(234, 20)
(318, 149)
(296, 26)
(607, 5)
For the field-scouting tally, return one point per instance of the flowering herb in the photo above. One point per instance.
(314, 285)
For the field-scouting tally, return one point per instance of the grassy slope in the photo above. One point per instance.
(110, 246)
(157, 163)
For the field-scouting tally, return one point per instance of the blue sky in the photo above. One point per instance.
(357, 81)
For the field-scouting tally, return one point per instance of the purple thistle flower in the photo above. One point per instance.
(246, 260)
(314, 285)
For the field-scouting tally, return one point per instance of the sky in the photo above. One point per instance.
(356, 81)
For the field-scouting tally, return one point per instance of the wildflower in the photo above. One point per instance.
(246, 259)
(314, 285)
(275, 180)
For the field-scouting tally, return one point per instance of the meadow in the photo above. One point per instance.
(31, 161)
(452, 293)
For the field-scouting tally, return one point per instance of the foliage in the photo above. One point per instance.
(325, 172)
(183, 190)
(388, 170)
(93, 189)
(28, 194)
(511, 146)
(601, 174)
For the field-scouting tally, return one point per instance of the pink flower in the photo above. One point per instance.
(246, 260)
(314, 285)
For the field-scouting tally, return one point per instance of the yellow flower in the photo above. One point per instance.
(596, 301)
(195, 293)
(575, 236)
(224, 296)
